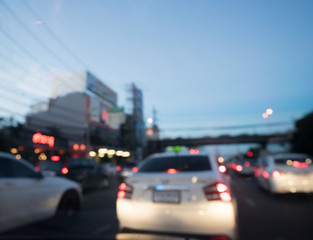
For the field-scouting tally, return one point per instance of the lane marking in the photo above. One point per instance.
(101, 230)
(250, 202)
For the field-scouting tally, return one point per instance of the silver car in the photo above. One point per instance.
(285, 173)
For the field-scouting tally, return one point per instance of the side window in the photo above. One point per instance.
(21, 170)
(5, 168)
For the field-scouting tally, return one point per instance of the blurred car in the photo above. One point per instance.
(110, 169)
(86, 172)
(285, 173)
(27, 196)
(125, 169)
(178, 193)
(245, 166)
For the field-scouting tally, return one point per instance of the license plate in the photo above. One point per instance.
(166, 196)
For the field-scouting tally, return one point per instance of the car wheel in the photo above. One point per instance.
(69, 206)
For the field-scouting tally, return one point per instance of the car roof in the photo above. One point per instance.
(179, 154)
(5, 154)
(290, 155)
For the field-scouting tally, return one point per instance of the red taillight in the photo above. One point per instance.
(221, 187)
(298, 164)
(171, 171)
(37, 168)
(55, 158)
(218, 191)
(222, 169)
(135, 169)
(247, 164)
(64, 171)
(265, 174)
(118, 168)
(239, 168)
(125, 191)
(225, 196)
(219, 238)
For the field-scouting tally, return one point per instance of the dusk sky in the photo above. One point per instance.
(202, 64)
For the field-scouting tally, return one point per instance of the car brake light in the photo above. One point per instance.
(219, 238)
(55, 158)
(265, 174)
(217, 191)
(37, 168)
(247, 164)
(276, 174)
(171, 171)
(125, 191)
(239, 168)
(298, 164)
(118, 168)
(64, 171)
(135, 169)
(222, 168)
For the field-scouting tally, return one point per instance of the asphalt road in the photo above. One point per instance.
(261, 215)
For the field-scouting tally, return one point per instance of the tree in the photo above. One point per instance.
(303, 137)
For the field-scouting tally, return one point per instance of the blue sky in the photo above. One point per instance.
(200, 63)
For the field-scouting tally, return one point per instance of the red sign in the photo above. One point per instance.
(43, 139)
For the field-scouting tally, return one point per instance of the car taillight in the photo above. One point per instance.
(171, 171)
(239, 168)
(222, 169)
(125, 191)
(118, 168)
(247, 164)
(298, 164)
(135, 169)
(276, 174)
(217, 191)
(265, 174)
(64, 171)
(37, 168)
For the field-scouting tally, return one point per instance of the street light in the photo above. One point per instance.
(150, 120)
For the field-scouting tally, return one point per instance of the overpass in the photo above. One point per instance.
(160, 145)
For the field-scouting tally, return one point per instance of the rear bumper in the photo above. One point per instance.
(292, 185)
(211, 218)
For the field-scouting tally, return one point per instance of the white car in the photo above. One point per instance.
(285, 173)
(178, 193)
(27, 196)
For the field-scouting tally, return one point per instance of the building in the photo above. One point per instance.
(78, 110)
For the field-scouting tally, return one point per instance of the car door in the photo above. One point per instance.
(39, 190)
(14, 200)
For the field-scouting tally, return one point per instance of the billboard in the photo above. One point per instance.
(100, 89)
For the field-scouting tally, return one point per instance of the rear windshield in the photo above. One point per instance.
(292, 161)
(244, 161)
(180, 163)
(51, 166)
(81, 163)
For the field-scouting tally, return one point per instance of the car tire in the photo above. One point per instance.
(69, 206)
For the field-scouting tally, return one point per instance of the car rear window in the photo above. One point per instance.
(180, 163)
(51, 166)
(290, 161)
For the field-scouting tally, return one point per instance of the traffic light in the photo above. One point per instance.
(250, 154)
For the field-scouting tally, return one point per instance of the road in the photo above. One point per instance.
(261, 215)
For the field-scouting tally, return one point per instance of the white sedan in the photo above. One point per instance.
(178, 193)
(27, 196)
(285, 173)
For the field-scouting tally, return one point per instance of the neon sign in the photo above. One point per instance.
(43, 139)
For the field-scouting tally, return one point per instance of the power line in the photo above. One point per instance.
(54, 35)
